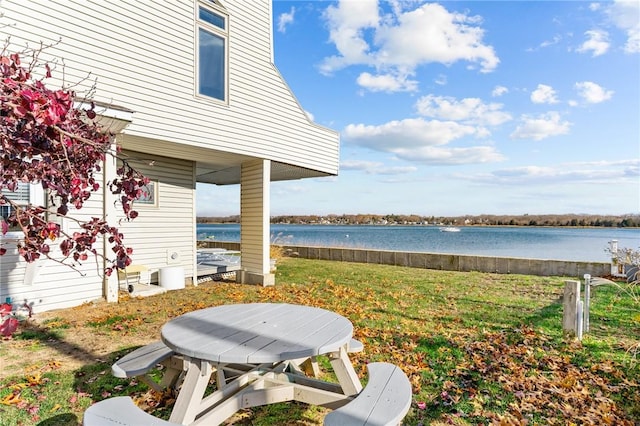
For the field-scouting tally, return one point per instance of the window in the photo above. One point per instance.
(212, 24)
(23, 195)
(149, 195)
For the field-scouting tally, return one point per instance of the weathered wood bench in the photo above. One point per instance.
(142, 360)
(385, 400)
(121, 411)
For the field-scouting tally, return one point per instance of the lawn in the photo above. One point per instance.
(478, 348)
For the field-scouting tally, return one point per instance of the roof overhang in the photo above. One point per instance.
(112, 118)
(230, 175)
(212, 166)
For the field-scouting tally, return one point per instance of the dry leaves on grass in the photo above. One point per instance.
(542, 382)
(537, 380)
(34, 383)
(460, 381)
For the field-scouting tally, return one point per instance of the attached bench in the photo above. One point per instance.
(385, 400)
(121, 411)
(142, 360)
(355, 346)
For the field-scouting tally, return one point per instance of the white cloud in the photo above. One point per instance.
(625, 15)
(597, 42)
(555, 40)
(467, 110)
(546, 43)
(544, 95)
(419, 140)
(359, 165)
(433, 34)
(347, 23)
(285, 19)
(387, 83)
(441, 80)
(541, 127)
(593, 93)
(633, 42)
(409, 133)
(499, 91)
(450, 156)
(285, 188)
(397, 43)
(601, 172)
(375, 168)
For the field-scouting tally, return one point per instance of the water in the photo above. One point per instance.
(577, 244)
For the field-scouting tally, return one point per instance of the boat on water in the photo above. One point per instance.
(450, 229)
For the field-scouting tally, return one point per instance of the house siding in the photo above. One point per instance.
(140, 55)
(169, 226)
(55, 285)
(117, 44)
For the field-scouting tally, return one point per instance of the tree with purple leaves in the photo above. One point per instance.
(49, 141)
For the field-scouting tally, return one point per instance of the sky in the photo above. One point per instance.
(462, 107)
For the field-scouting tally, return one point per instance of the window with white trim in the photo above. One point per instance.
(24, 195)
(212, 52)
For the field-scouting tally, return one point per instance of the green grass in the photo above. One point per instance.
(478, 348)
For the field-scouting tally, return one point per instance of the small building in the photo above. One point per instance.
(191, 88)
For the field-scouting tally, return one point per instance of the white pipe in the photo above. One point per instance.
(587, 301)
(579, 320)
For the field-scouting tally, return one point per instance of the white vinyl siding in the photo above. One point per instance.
(157, 229)
(46, 284)
(168, 225)
(141, 55)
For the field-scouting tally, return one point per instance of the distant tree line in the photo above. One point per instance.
(573, 220)
(219, 219)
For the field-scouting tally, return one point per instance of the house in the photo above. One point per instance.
(191, 89)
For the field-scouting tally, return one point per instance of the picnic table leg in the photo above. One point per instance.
(187, 404)
(175, 367)
(345, 372)
(305, 366)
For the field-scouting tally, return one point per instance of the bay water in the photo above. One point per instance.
(553, 243)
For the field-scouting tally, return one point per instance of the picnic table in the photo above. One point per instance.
(254, 353)
(266, 337)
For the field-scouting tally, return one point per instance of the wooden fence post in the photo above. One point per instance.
(570, 309)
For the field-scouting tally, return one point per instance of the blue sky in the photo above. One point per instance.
(462, 107)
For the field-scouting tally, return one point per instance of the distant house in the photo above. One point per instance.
(191, 87)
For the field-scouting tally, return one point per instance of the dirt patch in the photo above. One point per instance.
(93, 332)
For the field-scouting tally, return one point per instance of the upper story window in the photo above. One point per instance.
(213, 34)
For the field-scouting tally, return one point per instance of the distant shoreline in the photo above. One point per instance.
(431, 225)
(550, 221)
